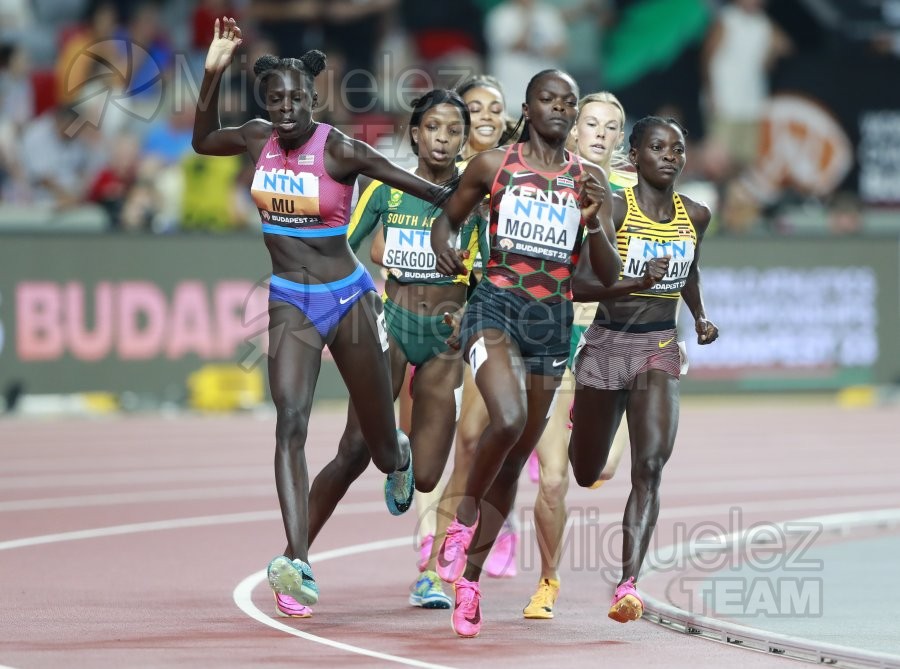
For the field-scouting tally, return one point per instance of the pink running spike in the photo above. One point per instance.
(627, 604)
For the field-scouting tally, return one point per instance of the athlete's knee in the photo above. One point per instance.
(467, 435)
(291, 427)
(427, 480)
(584, 466)
(508, 426)
(647, 472)
(554, 485)
(609, 470)
(585, 476)
(465, 450)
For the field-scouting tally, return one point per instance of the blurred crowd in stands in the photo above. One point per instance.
(97, 96)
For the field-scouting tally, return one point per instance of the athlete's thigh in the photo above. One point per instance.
(596, 416)
(295, 356)
(499, 374)
(360, 350)
(653, 412)
(541, 391)
(434, 391)
(552, 447)
(434, 411)
(398, 364)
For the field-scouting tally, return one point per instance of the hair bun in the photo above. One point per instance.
(314, 61)
(264, 64)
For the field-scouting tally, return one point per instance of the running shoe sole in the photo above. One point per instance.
(626, 609)
(286, 579)
(408, 487)
(425, 603)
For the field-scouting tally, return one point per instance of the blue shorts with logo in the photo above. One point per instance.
(324, 304)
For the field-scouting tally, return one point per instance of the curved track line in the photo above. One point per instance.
(242, 596)
(242, 593)
(200, 521)
(758, 639)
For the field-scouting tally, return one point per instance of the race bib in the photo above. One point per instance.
(286, 197)
(408, 255)
(538, 224)
(641, 251)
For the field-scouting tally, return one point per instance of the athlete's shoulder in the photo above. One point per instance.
(699, 212)
(341, 145)
(258, 127)
(489, 159)
(483, 166)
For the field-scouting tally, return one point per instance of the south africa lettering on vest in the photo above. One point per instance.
(537, 223)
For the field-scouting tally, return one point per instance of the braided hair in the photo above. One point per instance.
(309, 64)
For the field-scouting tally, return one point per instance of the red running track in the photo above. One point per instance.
(140, 542)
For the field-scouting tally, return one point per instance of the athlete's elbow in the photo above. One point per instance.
(580, 291)
(606, 274)
(198, 143)
(609, 278)
(610, 273)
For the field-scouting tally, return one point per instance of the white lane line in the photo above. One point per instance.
(134, 528)
(165, 475)
(831, 484)
(242, 596)
(115, 499)
(201, 521)
(367, 507)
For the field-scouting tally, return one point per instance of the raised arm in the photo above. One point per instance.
(210, 138)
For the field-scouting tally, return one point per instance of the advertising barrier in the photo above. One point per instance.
(141, 313)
